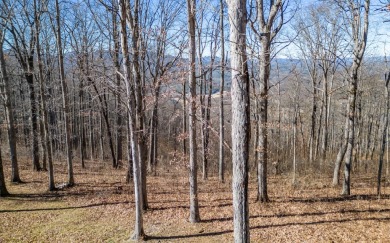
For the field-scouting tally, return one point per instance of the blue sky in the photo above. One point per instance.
(379, 30)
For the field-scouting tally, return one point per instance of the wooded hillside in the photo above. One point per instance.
(196, 114)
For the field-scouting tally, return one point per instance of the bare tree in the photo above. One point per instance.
(133, 137)
(319, 41)
(384, 134)
(6, 93)
(64, 90)
(38, 9)
(221, 164)
(159, 63)
(266, 30)
(3, 187)
(207, 38)
(240, 118)
(115, 55)
(194, 208)
(357, 12)
(296, 102)
(23, 44)
(133, 22)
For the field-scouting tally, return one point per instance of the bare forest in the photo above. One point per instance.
(194, 121)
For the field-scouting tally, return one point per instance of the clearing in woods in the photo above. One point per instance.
(100, 208)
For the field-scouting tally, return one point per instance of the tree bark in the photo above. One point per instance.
(34, 121)
(91, 136)
(263, 119)
(268, 32)
(295, 122)
(340, 156)
(3, 188)
(130, 171)
(65, 101)
(81, 125)
(6, 90)
(46, 135)
(221, 164)
(184, 121)
(194, 208)
(104, 113)
(240, 118)
(119, 136)
(134, 143)
(360, 41)
(384, 135)
(25, 57)
(351, 135)
(34, 115)
(132, 20)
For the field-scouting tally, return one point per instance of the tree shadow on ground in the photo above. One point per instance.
(285, 215)
(55, 195)
(175, 237)
(363, 197)
(64, 208)
(188, 206)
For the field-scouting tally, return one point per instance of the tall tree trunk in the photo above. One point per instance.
(152, 160)
(351, 134)
(3, 187)
(101, 140)
(119, 136)
(153, 133)
(256, 125)
(340, 155)
(368, 137)
(134, 143)
(194, 208)
(133, 13)
(279, 133)
(6, 90)
(360, 40)
(324, 141)
(104, 113)
(81, 125)
(376, 131)
(115, 34)
(318, 136)
(387, 151)
(46, 142)
(221, 164)
(184, 121)
(65, 101)
(42, 137)
(25, 56)
(266, 22)
(240, 118)
(24, 117)
(359, 125)
(34, 115)
(384, 135)
(202, 96)
(130, 171)
(91, 132)
(295, 121)
(206, 128)
(262, 159)
(313, 124)
(206, 123)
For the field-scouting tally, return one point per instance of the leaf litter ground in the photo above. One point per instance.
(100, 208)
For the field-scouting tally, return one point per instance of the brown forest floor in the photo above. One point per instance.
(100, 208)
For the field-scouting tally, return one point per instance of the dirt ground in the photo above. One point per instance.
(100, 208)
